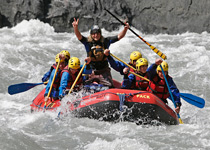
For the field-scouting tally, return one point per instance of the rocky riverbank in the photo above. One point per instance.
(156, 16)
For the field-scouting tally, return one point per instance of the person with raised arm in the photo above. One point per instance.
(158, 85)
(95, 45)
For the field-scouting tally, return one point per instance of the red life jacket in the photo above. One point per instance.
(140, 83)
(72, 79)
(131, 70)
(158, 87)
(56, 83)
(54, 66)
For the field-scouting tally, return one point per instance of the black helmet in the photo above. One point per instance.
(95, 29)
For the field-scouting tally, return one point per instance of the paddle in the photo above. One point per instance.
(139, 76)
(48, 95)
(130, 67)
(158, 52)
(180, 121)
(22, 87)
(123, 62)
(77, 78)
(192, 99)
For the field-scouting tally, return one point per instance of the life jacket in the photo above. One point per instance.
(98, 59)
(97, 54)
(140, 83)
(130, 69)
(158, 87)
(54, 66)
(72, 79)
(56, 83)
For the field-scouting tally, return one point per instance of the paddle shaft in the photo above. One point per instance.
(77, 78)
(130, 67)
(180, 121)
(123, 61)
(48, 95)
(139, 76)
(158, 52)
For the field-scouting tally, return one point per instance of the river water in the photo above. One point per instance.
(27, 52)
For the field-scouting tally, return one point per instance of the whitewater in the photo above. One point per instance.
(28, 50)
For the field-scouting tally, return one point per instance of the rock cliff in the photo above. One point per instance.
(148, 16)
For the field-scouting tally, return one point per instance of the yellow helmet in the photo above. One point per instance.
(74, 63)
(164, 66)
(140, 62)
(57, 58)
(135, 55)
(66, 53)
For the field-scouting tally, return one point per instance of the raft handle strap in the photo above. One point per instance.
(122, 100)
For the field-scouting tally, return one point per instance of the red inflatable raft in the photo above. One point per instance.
(114, 105)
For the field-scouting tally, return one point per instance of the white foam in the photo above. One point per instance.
(118, 143)
(28, 50)
(33, 27)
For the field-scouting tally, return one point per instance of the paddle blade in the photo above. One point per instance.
(22, 87)
(192, 99)
(180, 121)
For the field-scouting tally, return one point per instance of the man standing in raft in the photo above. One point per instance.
(95, 44)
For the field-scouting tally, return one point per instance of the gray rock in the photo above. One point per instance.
(156, 16)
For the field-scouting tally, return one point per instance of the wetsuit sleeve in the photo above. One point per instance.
(47, 75)
(64, 83)
(87, 69)
(128, 81)
(116, 65)
(85, 43)
(151, 71)
(109, 40)
(113, 39)
(174, 91)
(83, 40)
(49, 82)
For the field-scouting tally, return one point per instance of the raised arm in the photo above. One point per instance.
(151, 71)
(76, 31)
(123, 32)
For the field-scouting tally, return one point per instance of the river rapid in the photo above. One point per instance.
(27, 52)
